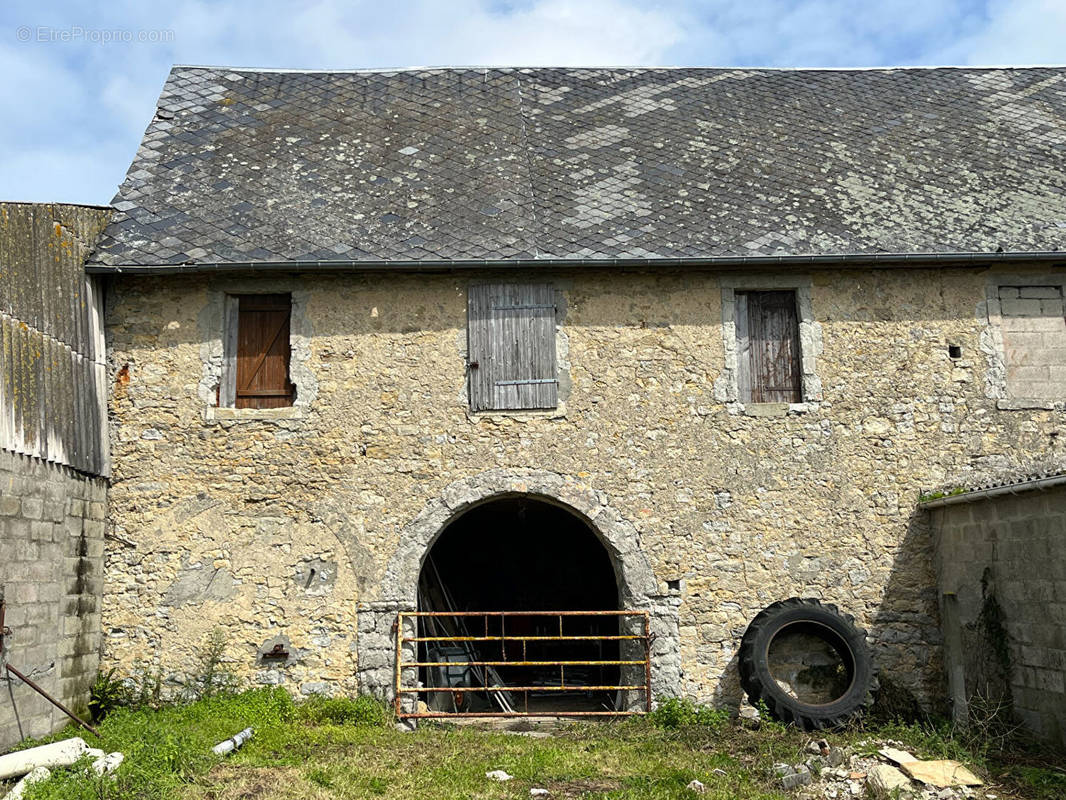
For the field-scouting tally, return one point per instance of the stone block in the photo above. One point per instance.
(32, 507)
(10, 505)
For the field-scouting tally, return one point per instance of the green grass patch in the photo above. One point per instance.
(348, 749)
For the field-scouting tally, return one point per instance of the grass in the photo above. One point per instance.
(340, 748)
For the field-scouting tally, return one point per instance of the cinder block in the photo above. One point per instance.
(42, 530)
(1011, 307)
(54, 511)
(1050, 680)
(1051, 355)
(1034, 323)
(20, 593)
(32, 507)
(1024, 378)
(1042, 292)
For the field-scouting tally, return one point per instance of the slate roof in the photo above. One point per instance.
(445, 164)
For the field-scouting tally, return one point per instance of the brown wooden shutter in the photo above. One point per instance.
(768, 353)
(262, 368)
(511, 344)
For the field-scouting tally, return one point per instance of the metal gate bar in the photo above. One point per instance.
(644, 638)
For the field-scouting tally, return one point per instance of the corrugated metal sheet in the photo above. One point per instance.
(52, 368)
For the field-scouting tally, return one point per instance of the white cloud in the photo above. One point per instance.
(1018, 32)
(75, 111)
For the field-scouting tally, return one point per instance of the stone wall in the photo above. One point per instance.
(732, 507)
(51, 557)
(1002, 577)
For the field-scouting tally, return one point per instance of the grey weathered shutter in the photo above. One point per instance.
(511, 343)
(768, 356)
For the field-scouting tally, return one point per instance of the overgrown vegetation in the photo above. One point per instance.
(929, 496)
(677, 712)
(348, 748)
(144, 688)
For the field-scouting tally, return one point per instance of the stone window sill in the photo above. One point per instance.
(217, 414)
(527, 415)
(1026, 403)
(771, 409)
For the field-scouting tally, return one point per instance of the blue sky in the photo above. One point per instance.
(75, 104)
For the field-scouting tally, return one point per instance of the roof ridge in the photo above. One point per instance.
(512, 68)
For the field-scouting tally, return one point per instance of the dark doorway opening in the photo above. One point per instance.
(521, 554)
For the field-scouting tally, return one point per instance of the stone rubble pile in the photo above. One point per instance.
(840, 773)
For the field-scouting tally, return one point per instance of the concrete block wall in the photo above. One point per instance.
(1002, 579)
(51, 557)
(1034, 339)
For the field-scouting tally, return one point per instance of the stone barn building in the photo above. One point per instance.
(683, 341)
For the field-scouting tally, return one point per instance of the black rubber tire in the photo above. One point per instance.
(826, 622)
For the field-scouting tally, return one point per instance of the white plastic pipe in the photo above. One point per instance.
(36, 775)
(56, 754)
(232, 743)
(105, 765)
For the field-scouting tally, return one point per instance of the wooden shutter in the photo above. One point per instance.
(511, 344)
(262, 346)
(768, 354)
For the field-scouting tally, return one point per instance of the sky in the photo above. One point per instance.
(81, 79)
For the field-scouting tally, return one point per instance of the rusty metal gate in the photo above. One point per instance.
(494, 633)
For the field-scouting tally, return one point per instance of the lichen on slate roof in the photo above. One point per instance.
(457, 164)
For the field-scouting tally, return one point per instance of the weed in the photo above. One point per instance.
(144, 688)
(362, 710)
(675, 712)
(213, 677)
(106, 694)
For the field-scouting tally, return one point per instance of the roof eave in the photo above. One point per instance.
(841, 260)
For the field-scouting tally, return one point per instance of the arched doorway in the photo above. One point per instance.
(525, 554)
(395, 593)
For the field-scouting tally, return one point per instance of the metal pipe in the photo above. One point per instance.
(503, 638)
(525, 614)
(518, 638)
(695, 262)
(419, 690)
(1040, 484)
(647, 663)
(399, 669)
(450, 714)
(52, 700)
(522, 663)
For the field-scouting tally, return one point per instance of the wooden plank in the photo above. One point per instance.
(227, 390)
(743, 347)
(479, 351)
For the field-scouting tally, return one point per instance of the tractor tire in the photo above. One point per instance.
(823, 621)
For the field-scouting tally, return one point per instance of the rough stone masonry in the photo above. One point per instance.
(729, 507)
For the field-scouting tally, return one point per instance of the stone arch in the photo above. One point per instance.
(638, 587)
